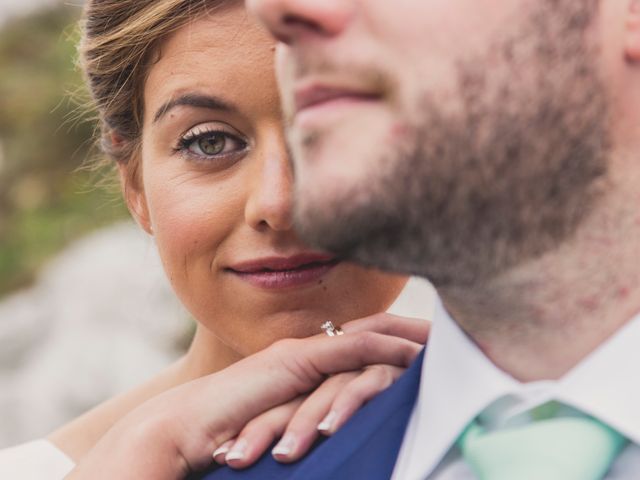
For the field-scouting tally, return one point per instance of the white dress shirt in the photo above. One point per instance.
(458, 383)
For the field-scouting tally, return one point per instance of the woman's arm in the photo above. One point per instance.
(177, 432)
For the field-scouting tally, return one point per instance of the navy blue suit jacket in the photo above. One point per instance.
(365, 448)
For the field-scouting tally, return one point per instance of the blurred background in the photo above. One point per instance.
(85, 311)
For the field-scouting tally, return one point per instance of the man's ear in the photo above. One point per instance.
(135, 198)
(632, 44)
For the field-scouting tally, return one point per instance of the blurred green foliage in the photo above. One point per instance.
(46, 198)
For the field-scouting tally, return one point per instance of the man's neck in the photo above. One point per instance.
(541, 319)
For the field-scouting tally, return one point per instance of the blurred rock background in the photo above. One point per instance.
(85, 311)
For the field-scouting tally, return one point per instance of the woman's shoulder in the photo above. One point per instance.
(34, 460)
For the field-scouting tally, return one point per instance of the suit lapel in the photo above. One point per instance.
(368, 445)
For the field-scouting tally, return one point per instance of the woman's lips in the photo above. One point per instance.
(277, 273)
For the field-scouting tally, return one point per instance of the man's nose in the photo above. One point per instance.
(293, 20)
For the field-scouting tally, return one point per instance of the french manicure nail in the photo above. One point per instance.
(326, 425)
(222, 450)
(237, 451)
(285, 446)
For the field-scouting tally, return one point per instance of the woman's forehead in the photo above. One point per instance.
(225, 52)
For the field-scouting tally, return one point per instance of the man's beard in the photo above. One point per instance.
(506, 179)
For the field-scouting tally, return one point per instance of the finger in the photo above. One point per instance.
(221, 452)
(414, 329)
(302, 429)
(359, 391)
(312, 359)
(260, 433)
(290, 368)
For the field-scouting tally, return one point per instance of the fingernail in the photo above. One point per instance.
(237, 451)
(326, 425)
(285, 446)
(222, 450)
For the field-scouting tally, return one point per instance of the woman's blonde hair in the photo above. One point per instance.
(118, 44)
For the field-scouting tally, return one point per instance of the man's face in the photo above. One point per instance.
(453, 139)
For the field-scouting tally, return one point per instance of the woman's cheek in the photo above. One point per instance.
(189, 229)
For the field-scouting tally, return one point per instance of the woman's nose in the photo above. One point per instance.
(291, 20)
(270, 202)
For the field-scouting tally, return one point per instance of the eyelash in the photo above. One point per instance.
(186, 142)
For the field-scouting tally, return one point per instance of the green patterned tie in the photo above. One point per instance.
(569, 448)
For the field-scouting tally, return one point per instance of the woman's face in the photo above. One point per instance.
(216, 188)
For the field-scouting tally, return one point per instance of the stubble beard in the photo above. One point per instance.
(507, 178)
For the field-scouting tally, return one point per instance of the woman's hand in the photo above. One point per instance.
(255, 400)
(299, 422)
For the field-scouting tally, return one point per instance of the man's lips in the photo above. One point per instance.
(317, 95)
(275, 273)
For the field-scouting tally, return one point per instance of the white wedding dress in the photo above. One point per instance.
(38, 460)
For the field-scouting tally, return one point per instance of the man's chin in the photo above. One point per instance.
(356, 136)
(344, 215)
(322, 209)
(351, 236)
(346, 186)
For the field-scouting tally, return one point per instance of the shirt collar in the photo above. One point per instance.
(606, 384)
(458, 382)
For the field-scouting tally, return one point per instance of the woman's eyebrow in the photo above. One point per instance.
(194, 100)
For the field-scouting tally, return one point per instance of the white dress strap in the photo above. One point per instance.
(37, 460)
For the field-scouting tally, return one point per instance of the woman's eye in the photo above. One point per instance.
(212, 144)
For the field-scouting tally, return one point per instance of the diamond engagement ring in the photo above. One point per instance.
(331, 330)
